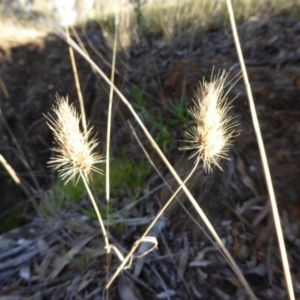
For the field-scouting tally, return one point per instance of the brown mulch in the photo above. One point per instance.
(62, 257)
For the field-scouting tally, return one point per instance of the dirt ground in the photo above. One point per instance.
(185, 266)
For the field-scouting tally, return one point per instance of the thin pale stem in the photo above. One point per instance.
(77, 83)
(111, 93)
(80, 43)
(140, 240)
(109, 118)
(4, 89)
(170, 167)
(284, 257)
(10, 170)
(107, 246)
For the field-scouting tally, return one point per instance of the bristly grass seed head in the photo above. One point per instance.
(212, 135)
(75, 150)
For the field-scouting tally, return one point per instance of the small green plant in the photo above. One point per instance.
(179, 112)
(164, 135)
(163, 129)
(127, 177)
(138, 97)
(12, 220)
(63, 195)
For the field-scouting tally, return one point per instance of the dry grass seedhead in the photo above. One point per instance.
(212, 135)
(75, 150)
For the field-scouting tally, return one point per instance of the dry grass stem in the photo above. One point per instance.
(77, 83)
(10, 170)
(212, 135)
(109, 114)
(4, 89)
(108, 247)
(284, 257)
(109, 118)
(75, 150)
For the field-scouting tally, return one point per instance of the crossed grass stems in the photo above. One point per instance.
(212, 124)
(210, 139)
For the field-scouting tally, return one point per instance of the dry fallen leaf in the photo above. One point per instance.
(183, 260)
(262, 214)
(85, 281)
(248, 203)
(245, 177)
(77, 226)
(127, 289)
(61, 261)
(166, 294)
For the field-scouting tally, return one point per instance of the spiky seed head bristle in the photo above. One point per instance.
(75, 149)
(212, 135)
